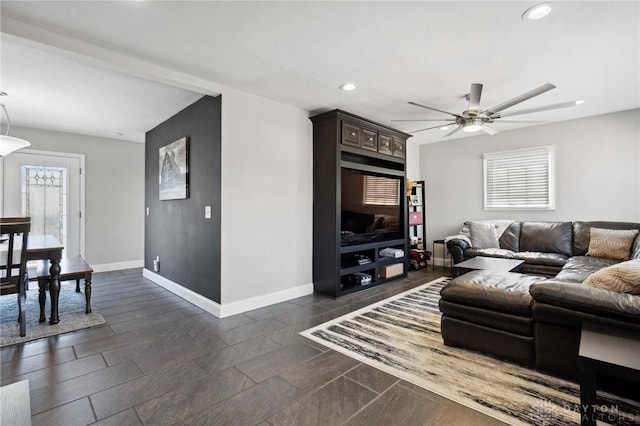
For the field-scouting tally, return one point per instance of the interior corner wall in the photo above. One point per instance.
(114, 194)
(176, 231)
(596, 165)
(413, 160)
(267, 200)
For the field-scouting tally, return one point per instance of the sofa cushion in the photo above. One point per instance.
(510, 238)
(578, 268)
(506, 292)
(582, 235)
(483, 235)
(536, 258)
(587, 299)
(547, 237)
(611, 243)
(622, 277)
(530, 258)
(490, 252)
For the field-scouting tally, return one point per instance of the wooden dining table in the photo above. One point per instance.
(43, 247)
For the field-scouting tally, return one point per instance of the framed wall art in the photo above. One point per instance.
(174, 170)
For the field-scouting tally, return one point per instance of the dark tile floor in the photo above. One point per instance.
(159, 360)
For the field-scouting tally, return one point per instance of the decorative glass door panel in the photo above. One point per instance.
(44, 199)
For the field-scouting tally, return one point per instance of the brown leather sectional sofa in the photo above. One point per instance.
(531, 319)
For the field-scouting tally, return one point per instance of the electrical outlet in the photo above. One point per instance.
(156, 264)
(147, 211)
(207, 212)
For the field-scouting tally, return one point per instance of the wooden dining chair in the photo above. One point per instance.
(14, 234)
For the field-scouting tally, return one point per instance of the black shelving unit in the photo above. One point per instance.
(417, 236)
(416, 209)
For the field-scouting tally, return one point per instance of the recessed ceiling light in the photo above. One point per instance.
(580, 102)
(444, 128)
(348, 87)
(537, 12)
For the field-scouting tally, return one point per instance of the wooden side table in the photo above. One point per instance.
(613, 352)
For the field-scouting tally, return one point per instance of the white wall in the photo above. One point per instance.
(114, 205)
(413, 160)
(266, 200)
(597, 172)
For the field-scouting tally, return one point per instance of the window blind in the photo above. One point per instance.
(520, 179)
(381, 191)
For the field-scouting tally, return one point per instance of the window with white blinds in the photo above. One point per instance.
(519, 180)
(381, 191)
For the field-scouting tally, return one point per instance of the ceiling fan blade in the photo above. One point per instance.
(428, 119)
(488, 129)
(500, 120)
(538, 109)
(428, 128)
(528, 95)
(474, 99)
(434, 109)
(453, 131)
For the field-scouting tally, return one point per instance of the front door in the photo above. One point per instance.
(47, 187)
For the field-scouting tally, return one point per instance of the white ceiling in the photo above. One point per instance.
(101, 67)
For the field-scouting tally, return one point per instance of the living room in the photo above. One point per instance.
(265, 196)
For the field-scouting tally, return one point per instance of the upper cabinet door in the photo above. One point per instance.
(350, 134)
(369, 140)
(384, 144)
(399, 147)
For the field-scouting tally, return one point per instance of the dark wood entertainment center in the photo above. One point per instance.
(346, 142)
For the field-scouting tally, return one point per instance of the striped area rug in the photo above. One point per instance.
(401, 336)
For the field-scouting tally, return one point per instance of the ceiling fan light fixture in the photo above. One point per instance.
(470, 128)
(444, 127)
(580, 102)
(538, 11)
(8, 144)
(348, 87)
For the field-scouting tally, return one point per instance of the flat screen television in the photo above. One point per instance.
(372, 207)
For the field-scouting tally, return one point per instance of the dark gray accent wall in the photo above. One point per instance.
(176, 230)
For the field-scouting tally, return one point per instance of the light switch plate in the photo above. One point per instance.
(207, 212)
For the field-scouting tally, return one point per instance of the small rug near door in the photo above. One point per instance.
(71, 308)
(401, 336)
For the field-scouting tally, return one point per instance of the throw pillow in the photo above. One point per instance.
(622, 277)
(483, 235)
(611, 243)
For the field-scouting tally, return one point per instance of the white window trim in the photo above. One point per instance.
(547, 149)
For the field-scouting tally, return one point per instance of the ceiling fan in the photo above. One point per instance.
(475, 119)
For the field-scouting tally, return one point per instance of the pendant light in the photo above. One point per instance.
(8, 143)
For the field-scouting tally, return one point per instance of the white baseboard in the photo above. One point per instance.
(226, 310)
(107, 267)
(188, 295)
(265, 300)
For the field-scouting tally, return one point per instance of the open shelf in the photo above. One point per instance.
(374, 245)
(374, 269)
